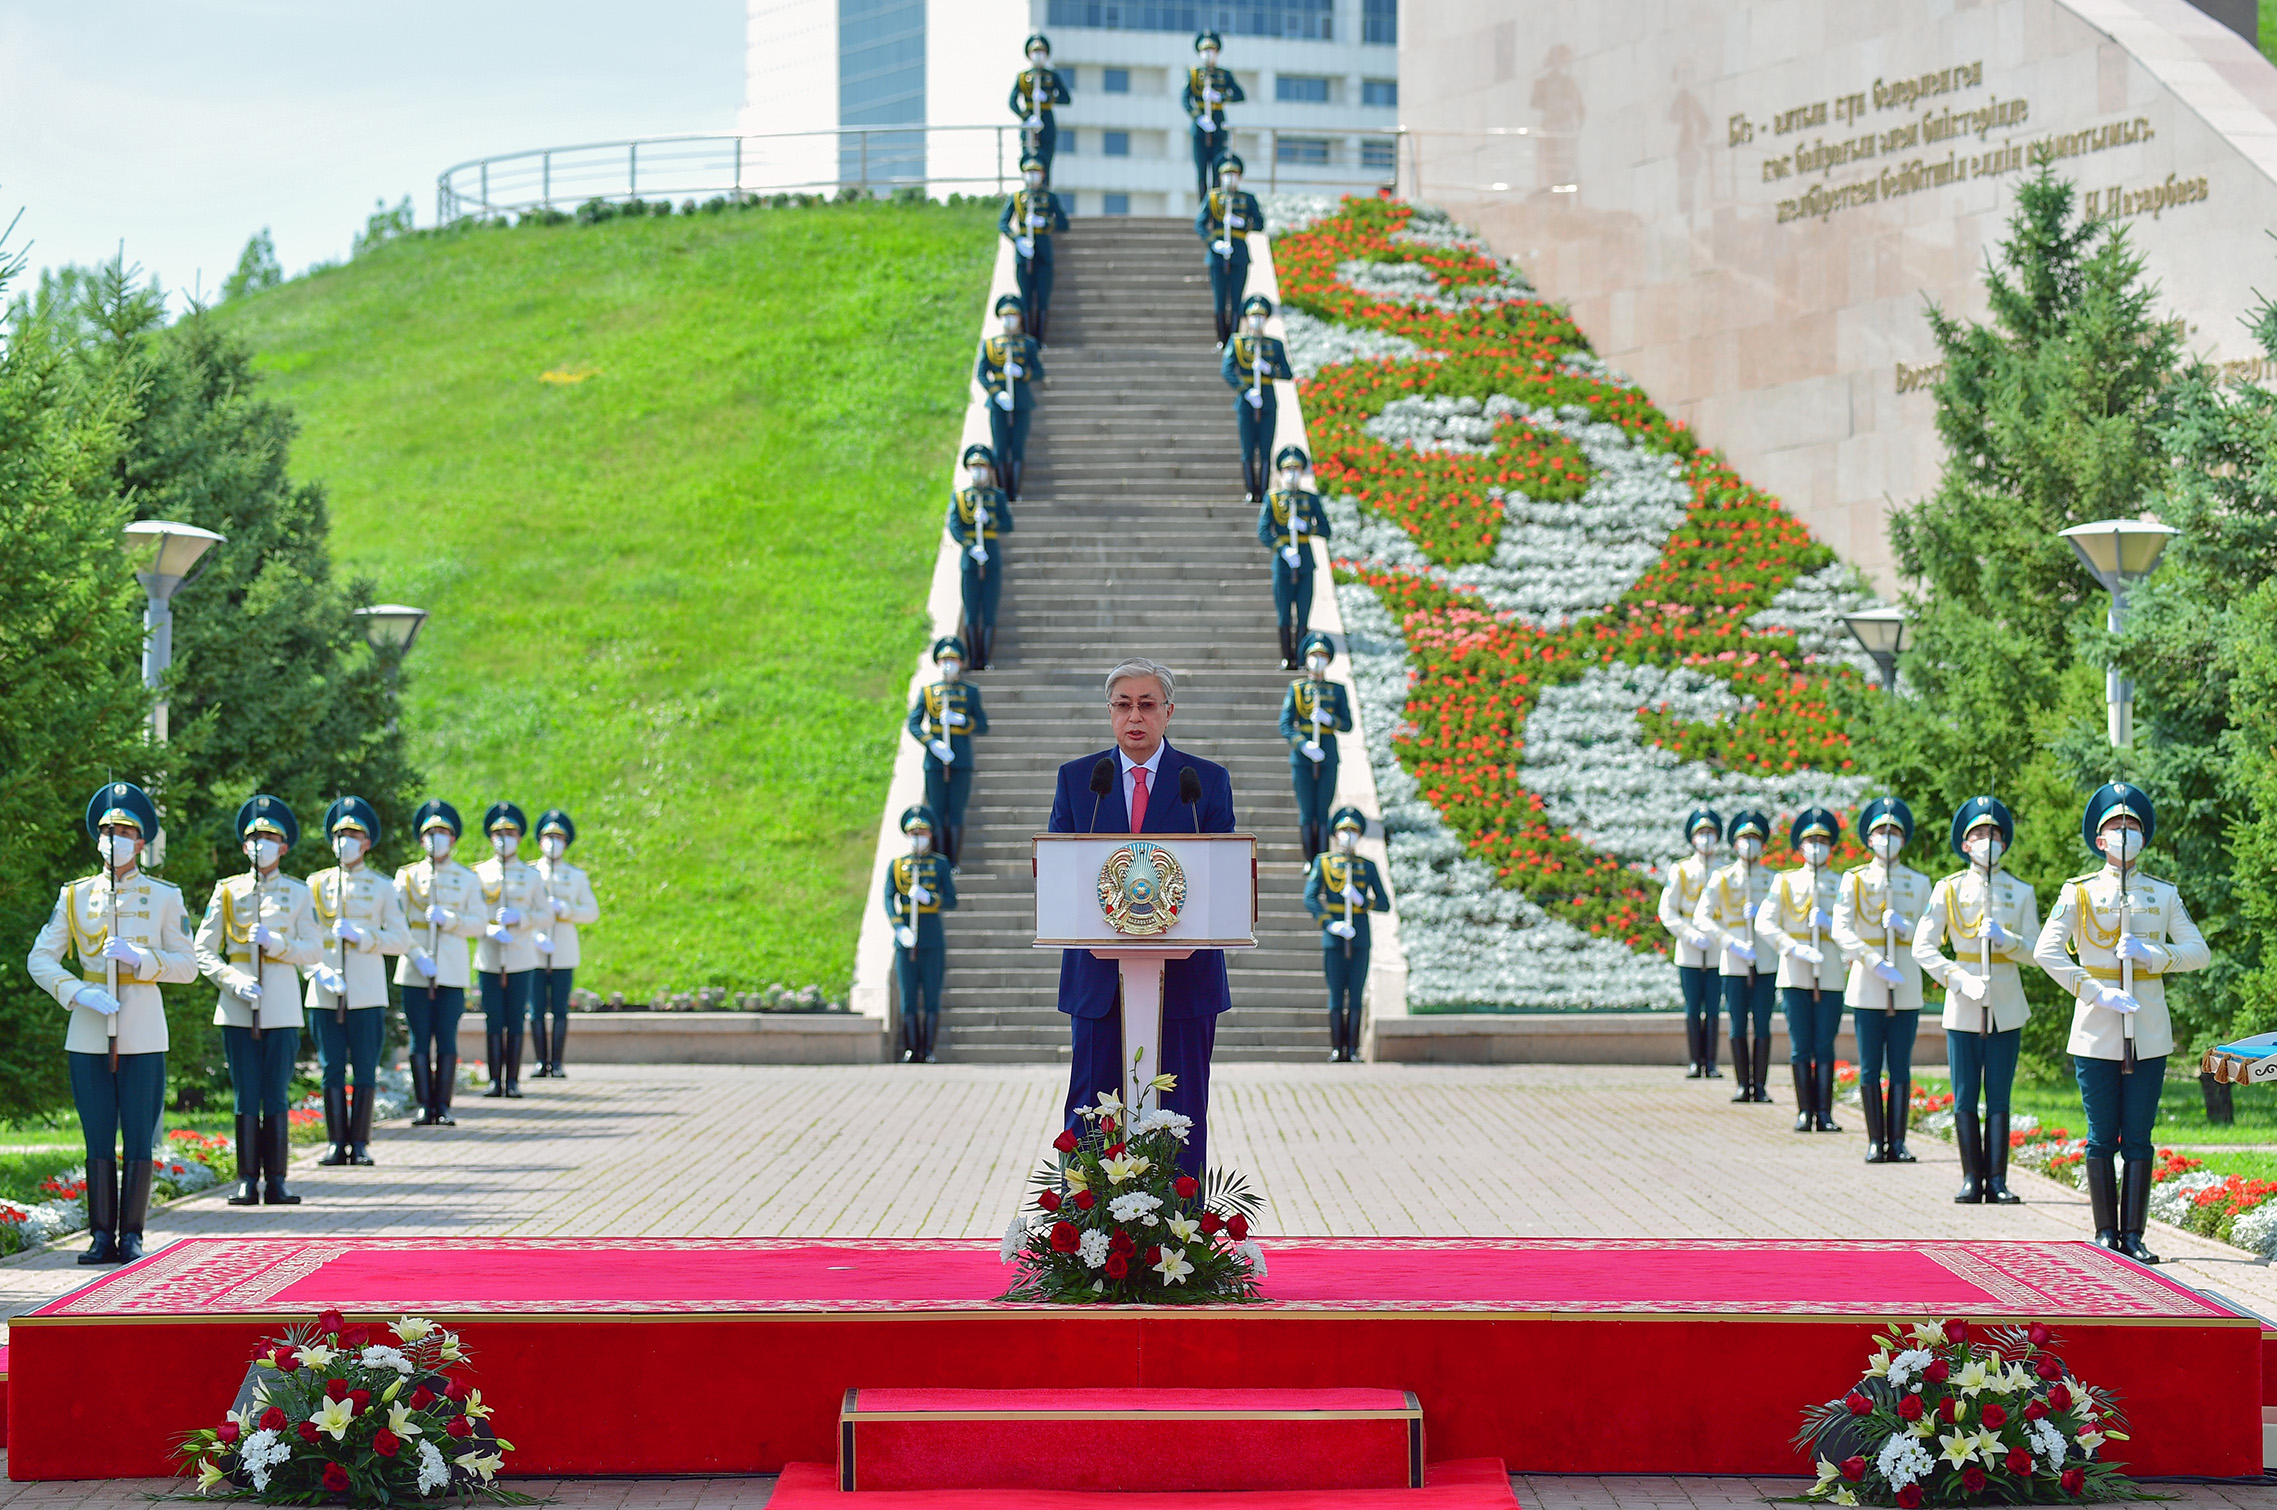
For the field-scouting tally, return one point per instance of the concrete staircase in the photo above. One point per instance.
(1133, 539)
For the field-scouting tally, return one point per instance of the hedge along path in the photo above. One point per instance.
(1477, 674)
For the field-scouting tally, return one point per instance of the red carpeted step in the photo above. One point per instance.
(3, 1394)
(1470, 1484)
(1123, 1440)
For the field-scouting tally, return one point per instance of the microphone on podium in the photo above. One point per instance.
(1190, 793)
(1102, 782)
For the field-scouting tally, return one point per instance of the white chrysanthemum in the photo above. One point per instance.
(1313, 344)
(434, 1473)
(1092, 1248)
(2170, 1199)
(1287, 214)
(1908, 1363)
(2048, 1442)
(386, 1357)
(1903, 1460)
(2255, 1231)
(1125, 1208)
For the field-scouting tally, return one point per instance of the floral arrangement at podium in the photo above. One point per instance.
(1114, 1219)
(362, 1415)
(1950, 1416)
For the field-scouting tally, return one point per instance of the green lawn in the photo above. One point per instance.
(677, 589)
(2181, 1116)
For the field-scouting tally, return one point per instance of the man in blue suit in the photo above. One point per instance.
(1135, 788)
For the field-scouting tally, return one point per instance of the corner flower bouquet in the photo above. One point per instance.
(1950, 1416)
(362, 1414)
(1114, 1219)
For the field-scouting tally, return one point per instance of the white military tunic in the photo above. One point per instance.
(225, 947)
(1726, 913)
(512, 883)
(454, 888)
(1865, 894)
(571, 896)
(364, 897)
(1679, 899)
(150, 914)
(1956, 912)
(1784, 922)
(2085, 922)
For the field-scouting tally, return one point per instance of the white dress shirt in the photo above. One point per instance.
(1153, 766)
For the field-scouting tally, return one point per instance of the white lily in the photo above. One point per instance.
(1183, 1228)
(334, 1417)
(482, 1465)
(208, 1475)
(1164, 1083)
(1960, 1446)
(2089, 1441)
(399, 1421)
(1172, 1266)
(475, 1409)
(1990, 1447)
(1110, 1104)
(1926, 1333)
(413, 1328)
(1844, 1496)
(1828, 1473)
(1972, 1379)
(450, 1348)
(315, 1357)
(1878, 1366)
(1076, 1177)
(1129, 1167)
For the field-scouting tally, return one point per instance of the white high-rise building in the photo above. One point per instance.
(1321, 76)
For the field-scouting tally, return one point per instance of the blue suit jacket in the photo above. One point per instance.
(1191, 987)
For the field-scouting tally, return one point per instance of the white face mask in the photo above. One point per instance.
(348, 848)
(1347, 840)
(554, 845)
(1230, 182)
(1885, 842)
(437, 842)
(263, 852)
(1317, 665)
(117, 849)
(1815, 851)
(1984, 848)
(2122, 844)
(920, 842)
(1209, 57)
(505, 842)
(1255, 324)
(951, 669)
(1011, 323)
(1703, 843)
(1749, 847)
(1034, 180)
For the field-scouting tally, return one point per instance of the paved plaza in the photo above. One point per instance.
(894, 1151)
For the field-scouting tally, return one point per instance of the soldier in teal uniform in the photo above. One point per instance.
(1313, 713)
(1252, 361)
(944, 719)
(1341, 889)
(978, 515)
(1008, 369)
(919, 888)
(1039, 87)
(1227, 216)
(361, 923)
(1031, 215)
(1209, 89)
(1287, 521)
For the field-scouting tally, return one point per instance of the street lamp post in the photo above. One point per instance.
(2120, 553)
(1881, 633)
(165, 557)
(396, 626)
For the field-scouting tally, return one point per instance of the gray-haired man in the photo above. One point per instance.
(1136, 788)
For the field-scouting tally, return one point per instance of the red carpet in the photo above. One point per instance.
(1473, 1484)
(1557, 1355)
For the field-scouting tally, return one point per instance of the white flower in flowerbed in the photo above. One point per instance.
(2170, 1199)
(2255, 1231)
(1413, 283)
(1313, 344)
(1428, 225)
(1287, 214)
(1811, 609)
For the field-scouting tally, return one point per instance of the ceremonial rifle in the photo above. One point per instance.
(111, 966)
(2126, 968)
(339, 916)
(1813, 870)
(1889, 932)
(1984, 940)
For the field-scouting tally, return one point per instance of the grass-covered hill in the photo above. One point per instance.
(671, 488)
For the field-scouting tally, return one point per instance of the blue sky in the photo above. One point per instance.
(184, 127)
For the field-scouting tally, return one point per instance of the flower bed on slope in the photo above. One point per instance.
(1568, 624)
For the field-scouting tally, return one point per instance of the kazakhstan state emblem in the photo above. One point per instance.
(1142, 889)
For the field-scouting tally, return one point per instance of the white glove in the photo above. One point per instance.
(1344, 930)
(921, 896)
(954, 719)
(331, 980)
(1742, 951)
(1233, 222)
(1821, 918)
(1896, 920)
(1971, 986)
(1352, 895)
(943, 751)
(1699, 940)
(497, 934)
(1025, 245)
(351, 933)
(1034, 219)
(1889, 972)
(1807, 954)
(2130, 947)
(1222, 248)
(2001, 937)
(1290, 554)
(979, 552)
(1299, 525)
(250, 992)
(1209, 95)
(266, 937)
(126, 953)
(1004, 401)
(1256, 398)
(1014, 369)
(96, 999)
(510, 916)
(436, 915)
(424, 963)
(2117, 1000)
(905, 936)
(544, 943)
(1313, 752)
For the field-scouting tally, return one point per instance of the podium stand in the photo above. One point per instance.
(1143, 900)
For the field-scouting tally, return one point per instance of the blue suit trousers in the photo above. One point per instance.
(1186, 1043)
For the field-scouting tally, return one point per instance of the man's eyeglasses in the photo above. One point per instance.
(1136, 705)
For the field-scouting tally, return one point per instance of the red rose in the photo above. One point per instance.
(1187, 1187)
(460, 1427)
(1949, 1409)
(1151, 1256)
(1853, 1469)
(2050, 1369)
(1859, 1404)
(2040, 1333)
(1956, 1332)
(1972, 1479)
(307, 1430)
(2059, 1398)
(455, 1389)
(1995, 1417)
(272, 1419)
(1909, 1498)
(335, 1478)
(2074, 1481)
(1115, 1150)
(1065, 1142)
(1117, 1266)
(1049, 1200)
(2035, 1411)
(335, 1389)
(1909, 1408)
(1212, 1224)
(385, 1442)
(1064, 1239)
(284, 1360)
(360, 1399)
(1121, 1242)
(227, 1431)
(331, 1322)
(422, 1397)
(1085, 1200)
(2019, 1462)
(1237, 1227)
(1938, 1372)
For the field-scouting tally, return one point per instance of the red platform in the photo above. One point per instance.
(1476, 1484)
(1556, 1355)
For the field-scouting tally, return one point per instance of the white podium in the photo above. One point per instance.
(1142, 900)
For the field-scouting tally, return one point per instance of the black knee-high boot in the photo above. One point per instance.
(560, 1032)
(1996, 1191)
(2134, 1210)
(540, 1045)
(360, 1123)
(1877, 1136)
(1708, 1037)
(102, 1212)
(1968, 1138)
(134, 1207)
(1762, 1064)
(422, 1088)
(494, 1055)
(335, 1126)
(1803, 1090)
(445, 1082)
(513, 1061)
(1824, 1102)
(1895, 1111)
(248, 1161)
(276, 1154)
(1745, 1090)
(2103, 1200)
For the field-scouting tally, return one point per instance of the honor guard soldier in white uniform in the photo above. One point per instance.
(1209, 89)
(1726, 917)
(919, 888)
(259, 929)
(1991, 919)
(979, 515)
(1032, 216)
(1798, 928)
(2128, 932)
(1037, 89)
(1009, 367)
(1289, 520)
(1313, 712)
(1228, 215)
(1341, 889)
(569, 895)
(1696, 976)
(506, 955)
(127, 933)
(361, 919)
(1252, 361)
(1876, 909)
(944, 720)
(442, 901)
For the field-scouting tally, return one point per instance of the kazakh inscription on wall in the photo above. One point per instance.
(1926, 132)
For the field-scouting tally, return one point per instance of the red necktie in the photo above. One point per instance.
(1138, 799)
